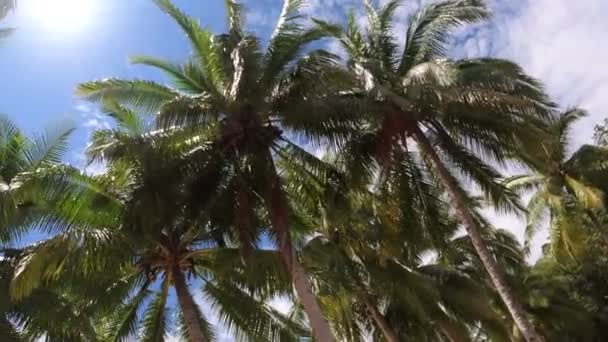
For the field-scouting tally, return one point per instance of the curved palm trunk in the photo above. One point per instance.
(276, 203)
(496, 275)
(389, 334)
(189, 309)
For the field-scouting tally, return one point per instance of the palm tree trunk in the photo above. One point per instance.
(496, 275)
(188, 306)
(276, 203)
(389, 334)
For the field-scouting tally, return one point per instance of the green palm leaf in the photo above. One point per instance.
(203, 44)
(124, 323)
(145, 95)
(428, 31)
(587, 196)
(250, 319)
(155, 317)
(183, 77)
(47, 149)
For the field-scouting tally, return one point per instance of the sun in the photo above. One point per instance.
(62, 16)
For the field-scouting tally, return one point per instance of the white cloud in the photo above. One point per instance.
(96, 168)
(262, 14)
(91, 119)
(560, 42)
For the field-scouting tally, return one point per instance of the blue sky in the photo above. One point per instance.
(46, 58)
(558, 41)
(42, 62)
(561, 42)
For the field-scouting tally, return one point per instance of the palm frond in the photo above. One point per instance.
(505, 76)
(262, 273)
(380, 37)
(190, 111)
(124, 322)
(8, 332)
(429, 29)
(586, 195)
(13, 144)
(437, 72)
(126, 119)
(563, 127)
(155, 318)
(524, 183)
(144, 95)
(39, 266)
(248, 318)
(286, 44)
(208, 329)
(203, 44)
(48, 149)
(536, 213)
(483, 175)
(184, 80)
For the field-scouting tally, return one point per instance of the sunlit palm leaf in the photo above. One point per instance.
(145, 95)
(203, 44)
(155, 317)
(427, 34)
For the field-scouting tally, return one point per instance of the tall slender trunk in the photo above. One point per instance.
(389, 333)
(276, 203)
(497, 277)
(190, 311)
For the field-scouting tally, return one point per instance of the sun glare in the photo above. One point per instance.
(62, 16)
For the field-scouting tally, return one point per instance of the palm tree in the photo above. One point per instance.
(553, 300)
(399, 302)
(455, 111)
(244, 98)
(139, 228)
(53, 313)
(566, 187)
(22, 161)
(366, 258)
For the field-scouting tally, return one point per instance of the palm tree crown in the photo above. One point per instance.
(241, 98)
(566, 187)
(136, 228)
(456, 112)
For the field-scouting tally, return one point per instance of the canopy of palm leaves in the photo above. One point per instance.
(461, 114)
(23, 162)
(565, 187)
(203, 171)
(466, 108)
(242, 98)
(140, 230)
(367, 261)
(55, 313)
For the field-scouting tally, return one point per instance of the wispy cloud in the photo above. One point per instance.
(560, 42)
(90, 119)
